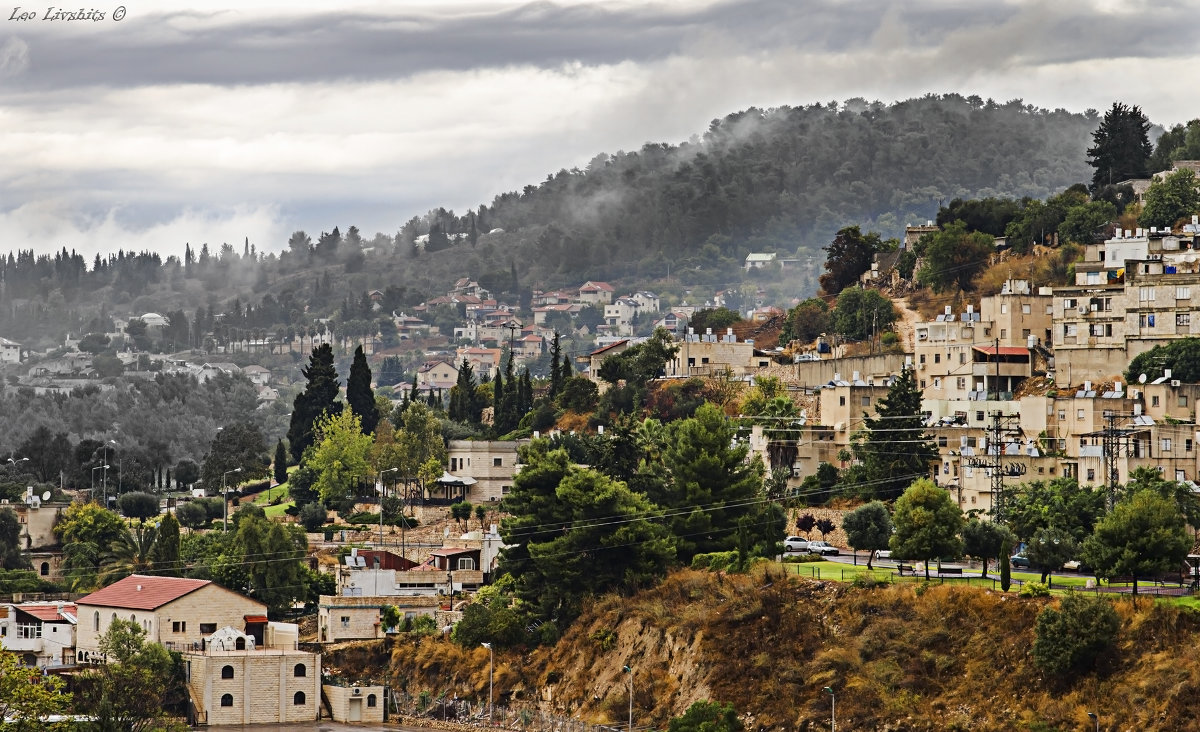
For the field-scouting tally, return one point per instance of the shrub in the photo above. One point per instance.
(138, 505)
(1035, 589)
(716, 561)
(803, 558)
(424, 625)
(312, 516)
(1071, 637)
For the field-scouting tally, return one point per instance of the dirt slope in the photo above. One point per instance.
(947, 658)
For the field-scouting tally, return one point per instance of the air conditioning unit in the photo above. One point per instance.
(1083, 309)
(357, 692)
(1174, 382)
(920, 367)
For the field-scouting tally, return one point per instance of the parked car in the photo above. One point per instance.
(1020, 561)
(1076, 565)
(795, 544)
(883, 554)
(823, 548)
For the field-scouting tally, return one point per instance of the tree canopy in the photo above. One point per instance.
(927, 522)
(1171, 199)
(1121, 146)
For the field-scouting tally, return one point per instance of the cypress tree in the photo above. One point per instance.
(463, 403)
(412, 394)
(281, 463)
(526, 402)
(555, 372)
(497, 399)
(359, 393)
(319, 397)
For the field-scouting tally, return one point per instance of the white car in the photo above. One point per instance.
(795, 544)
(823, 548)
(883, 554)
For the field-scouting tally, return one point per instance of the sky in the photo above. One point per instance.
(155, 124)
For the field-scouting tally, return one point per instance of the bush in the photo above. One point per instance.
(716, 561)
(803, 558)
(1035, 589)
(424, 625)
(1073, 636)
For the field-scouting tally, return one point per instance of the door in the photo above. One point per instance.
(355, 710)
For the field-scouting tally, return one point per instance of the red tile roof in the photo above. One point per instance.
(141, 592)
(47, 613)
(614, 345)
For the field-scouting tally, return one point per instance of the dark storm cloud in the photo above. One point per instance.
(230, 49)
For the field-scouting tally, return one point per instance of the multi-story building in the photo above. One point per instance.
(491, 463)
(42, 634)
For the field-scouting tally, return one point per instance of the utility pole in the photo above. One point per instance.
(993, 459)
(1113, 439)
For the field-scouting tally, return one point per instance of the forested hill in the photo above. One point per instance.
(781, 180)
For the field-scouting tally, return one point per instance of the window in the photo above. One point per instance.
(497, 462)
(371, 701)
(208, 628)
(1026, 309)
(298, 699)
(505, 490)
(1187, 445)
(1183, 318)
(979, 415)
(1183, 293)
(962, 357)
(1062, 414)
(962, 382)
(1183, 400)
(1003, 308)
(841, 401)
(937, 358)
(227, 672)
(96, 621)
(300, 671)
(1068, 303)
(1070, 330)
(1165, 444)
(227, 700)
(942, 442)
(937, 382)
(1154, 401)
(345, 621)
(239, 644)
(45, 569)
(921, 358)
(1025, 332)
(1145, 294)
(1004, 332)
(179, 626)
(1079, 414)
(466, 563)
(1091, 474)
(866, 401)
(1180, 475)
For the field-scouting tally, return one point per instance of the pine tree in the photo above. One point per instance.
(463, 402)
(281, 463)
(1122, 146)
(895, 451)
(359, 393)
(319, 397)
(556, 378)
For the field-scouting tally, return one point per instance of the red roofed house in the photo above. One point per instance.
(439, 374)
(528, 346)
(242, 669)
(174, 611)
(41, 633)
(596, 293)
(597, 357)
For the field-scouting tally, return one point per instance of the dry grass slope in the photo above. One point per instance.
(945, 658)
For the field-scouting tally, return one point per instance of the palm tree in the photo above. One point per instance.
(128, 555)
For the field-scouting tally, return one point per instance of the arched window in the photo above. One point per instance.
(227, 672)
(45, 569)
(96, 620)
(300, 671)
(370, 700)
(298, 699)
(227, 700)
(239, 644)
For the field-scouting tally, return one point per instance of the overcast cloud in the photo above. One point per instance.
(180, 124)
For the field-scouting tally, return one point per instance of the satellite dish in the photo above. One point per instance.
(46, 496)
(1142, 379)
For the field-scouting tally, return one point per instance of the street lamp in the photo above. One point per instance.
(120, 462)
(629, 670)
(93, 491)
(832, 710)
(225, 500)
(14, 462)
(490, 658)
(1095, 719)
(382, 493)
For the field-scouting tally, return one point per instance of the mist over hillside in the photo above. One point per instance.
(781, 180)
